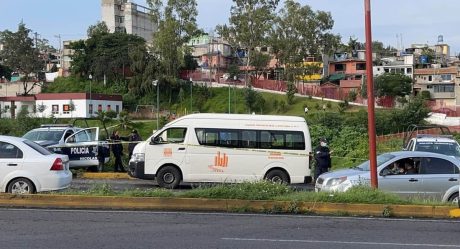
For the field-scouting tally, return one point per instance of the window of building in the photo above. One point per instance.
(339, 67)
(446, 77)
(99, 108)
(430, 78)
(66, 109)
(387, 70)
(443, 88)
(90, 109)
(109, 107)
(408, 70)
(55, 109)
(360, 66)
(117, 109)
(119, 19)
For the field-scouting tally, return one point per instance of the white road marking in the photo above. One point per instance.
(341, 242)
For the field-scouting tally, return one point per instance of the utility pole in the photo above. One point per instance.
(370, 96)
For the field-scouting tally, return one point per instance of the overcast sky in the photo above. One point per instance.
(413, 21)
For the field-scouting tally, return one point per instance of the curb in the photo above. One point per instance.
(223, 205)
(108, 175)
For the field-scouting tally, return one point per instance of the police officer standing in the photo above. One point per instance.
(322, 157)
(117, 149)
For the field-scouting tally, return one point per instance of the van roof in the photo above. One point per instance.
(223, 116)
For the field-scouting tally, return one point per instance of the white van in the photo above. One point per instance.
(225, 148)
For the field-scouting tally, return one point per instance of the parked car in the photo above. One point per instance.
(26, 167)
(433, 176)
(51, 134)
(444, 144)
(82, 146)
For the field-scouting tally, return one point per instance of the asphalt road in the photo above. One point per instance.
(30, 228)
(126, 184)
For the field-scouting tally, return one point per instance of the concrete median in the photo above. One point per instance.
(219, 205)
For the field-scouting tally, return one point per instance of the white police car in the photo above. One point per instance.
(82, 146)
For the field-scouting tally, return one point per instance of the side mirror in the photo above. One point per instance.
(156, 140)
(384, 172)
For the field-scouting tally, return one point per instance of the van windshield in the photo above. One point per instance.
(380, 160)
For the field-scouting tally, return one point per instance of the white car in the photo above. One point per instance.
(27, 168)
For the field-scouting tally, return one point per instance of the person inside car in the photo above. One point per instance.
(410, 169)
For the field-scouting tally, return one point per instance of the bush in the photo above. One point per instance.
(262, 190)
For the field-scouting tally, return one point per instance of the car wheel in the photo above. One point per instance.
(277, 176)
(454, 199)
(168, 177)
(21, 186)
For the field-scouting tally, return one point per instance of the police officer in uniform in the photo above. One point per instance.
(322, 157)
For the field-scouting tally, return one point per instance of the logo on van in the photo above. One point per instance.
(167, 152)
(220, 162)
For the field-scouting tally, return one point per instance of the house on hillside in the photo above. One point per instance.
(60, 105)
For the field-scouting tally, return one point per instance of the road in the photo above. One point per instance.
(42, 228)
(126, 184)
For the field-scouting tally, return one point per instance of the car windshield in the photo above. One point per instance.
(37, 147)
(380, 160)
(446, 148)
(44, 135)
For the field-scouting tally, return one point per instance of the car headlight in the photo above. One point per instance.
(138, 157)
(336, 181)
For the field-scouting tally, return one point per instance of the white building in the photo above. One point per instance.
(60, 105)
(125, 16)
(403, 64)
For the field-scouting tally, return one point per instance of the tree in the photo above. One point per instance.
(176, 25)
(290, 92)
(104, 54)
(20, 55)
(260, 62)
(300, 32)
(249, 23)
(393, 85)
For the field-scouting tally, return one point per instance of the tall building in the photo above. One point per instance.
(129, 17)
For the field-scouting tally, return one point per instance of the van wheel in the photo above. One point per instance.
(277, 176)
(454, 199)
(168, 177)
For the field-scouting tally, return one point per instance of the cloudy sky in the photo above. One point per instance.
(412, 21)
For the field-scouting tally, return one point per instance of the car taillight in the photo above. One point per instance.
(57, 165)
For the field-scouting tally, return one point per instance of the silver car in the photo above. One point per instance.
(407, 173)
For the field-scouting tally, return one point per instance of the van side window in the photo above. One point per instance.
(207, 137)
(173, 135)
(235, 138)
(228, 138)
(248, 139)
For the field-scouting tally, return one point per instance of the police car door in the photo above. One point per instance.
(82, 147)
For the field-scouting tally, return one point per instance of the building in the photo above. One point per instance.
(440, 83)
(129, 17)
(60, 105)
(403, 64)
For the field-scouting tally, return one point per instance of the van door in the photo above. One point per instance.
(168, 147)
(82, 147)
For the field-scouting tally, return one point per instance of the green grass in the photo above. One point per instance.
(263, 190)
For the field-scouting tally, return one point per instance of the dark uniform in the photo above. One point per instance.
(117, 149)
(323, 159)
(133, 137)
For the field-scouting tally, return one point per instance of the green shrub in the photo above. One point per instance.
(262, 190)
